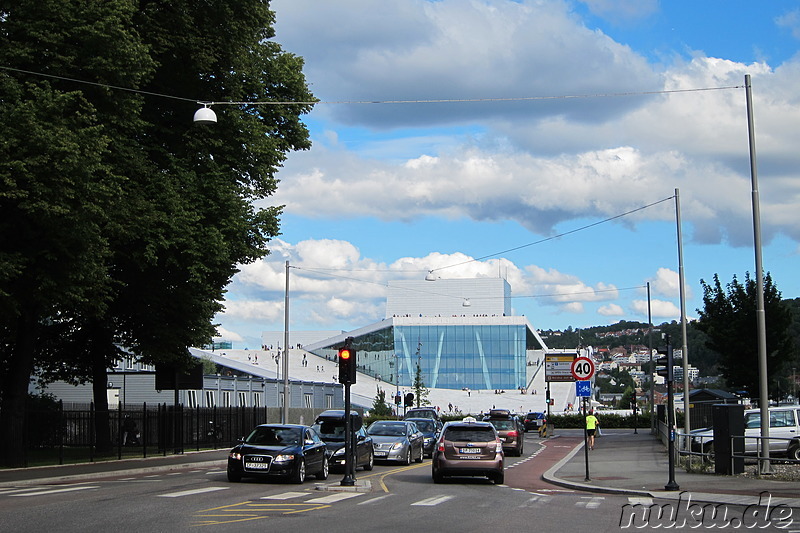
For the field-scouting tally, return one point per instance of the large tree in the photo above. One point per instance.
(728, 318)
(159, 212)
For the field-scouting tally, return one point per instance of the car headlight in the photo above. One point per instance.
(397, 445)
(284, 457)
(340, 451)
(236, 456)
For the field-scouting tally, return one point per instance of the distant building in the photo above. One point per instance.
(460, 331)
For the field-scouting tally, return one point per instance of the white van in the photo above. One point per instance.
(784, 432)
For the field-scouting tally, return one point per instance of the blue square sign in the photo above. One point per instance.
(583, 388)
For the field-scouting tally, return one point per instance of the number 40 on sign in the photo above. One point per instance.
(582, 369)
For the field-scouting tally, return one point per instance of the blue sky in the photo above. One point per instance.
(392, 190)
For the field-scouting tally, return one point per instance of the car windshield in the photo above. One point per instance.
(502, 425)
(330, 430)
(461, 434)
(274, 436)
(387, 430)
(426, 426)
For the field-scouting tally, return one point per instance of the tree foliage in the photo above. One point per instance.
(380, 408)
(121, 222)
(728, 318)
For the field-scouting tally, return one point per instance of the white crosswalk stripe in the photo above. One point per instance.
(284, 496)
(335, 497)
(436, 500)
(191, 492)
(56, 491)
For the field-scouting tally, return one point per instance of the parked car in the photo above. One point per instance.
(422, 412)
(396, 440)
(534, 421)
(508, 429)
(283, 450)
(430, 431)
(468, 448)
(330, 426)
(784, 432)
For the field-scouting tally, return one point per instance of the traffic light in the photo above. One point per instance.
(664, 364)
(347, 366)
(409, 399)
(633, 401)
(398, 399)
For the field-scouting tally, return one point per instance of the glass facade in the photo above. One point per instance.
(450, 356)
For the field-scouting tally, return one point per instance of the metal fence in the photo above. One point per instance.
(60, 433)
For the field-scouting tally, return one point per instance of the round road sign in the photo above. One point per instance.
(582, 368)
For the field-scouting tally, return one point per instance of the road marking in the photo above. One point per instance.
(592, 503)
(56, 491)
(436, 500)
(640, 500)
(284, 496)
(376, 499)
(191, 492)
(29, 489)
(336, 497)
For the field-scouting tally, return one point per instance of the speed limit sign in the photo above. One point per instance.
(582, 368)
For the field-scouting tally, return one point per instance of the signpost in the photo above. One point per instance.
(582, 370)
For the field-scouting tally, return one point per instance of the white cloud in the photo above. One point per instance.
(611, 310)
(667, 283)
(660, 309)
(226, 335)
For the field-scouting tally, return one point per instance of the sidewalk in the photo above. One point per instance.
(637, 464)
(59, 473)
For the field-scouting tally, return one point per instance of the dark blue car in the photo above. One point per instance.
(430, 429)
(279, 450)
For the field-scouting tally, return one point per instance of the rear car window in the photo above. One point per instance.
(502, 425)
(469, 434)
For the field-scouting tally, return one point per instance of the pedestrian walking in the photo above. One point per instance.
(592, 425)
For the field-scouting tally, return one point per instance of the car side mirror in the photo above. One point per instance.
(361, 438)
(309, 442)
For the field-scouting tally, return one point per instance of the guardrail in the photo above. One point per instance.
(701, 447)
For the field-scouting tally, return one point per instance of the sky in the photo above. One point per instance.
(538, 140)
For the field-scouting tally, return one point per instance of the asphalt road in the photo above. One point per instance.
(402, 498)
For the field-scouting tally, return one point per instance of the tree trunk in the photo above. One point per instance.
(15, 393)
(102, 423)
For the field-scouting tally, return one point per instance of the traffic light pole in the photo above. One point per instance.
(671, 484)
(349, 478)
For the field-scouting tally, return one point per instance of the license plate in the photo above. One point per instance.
(470, 450)
(381, 454)
(257, 466)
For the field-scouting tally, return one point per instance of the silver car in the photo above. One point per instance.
(396, 440)
(784, 429)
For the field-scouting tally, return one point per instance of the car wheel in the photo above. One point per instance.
(794, 452)
(300, 472)
(233, 476)
(407, 460)
(421, 453)
(499, 478)
(370, 461)
(322, 475)
(437, 476)
(708, 449)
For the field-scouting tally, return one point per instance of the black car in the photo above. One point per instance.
(430, 429)
(330, 427)
(281, 450)
(534, 420)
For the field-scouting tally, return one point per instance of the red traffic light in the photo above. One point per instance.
(344, 353)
